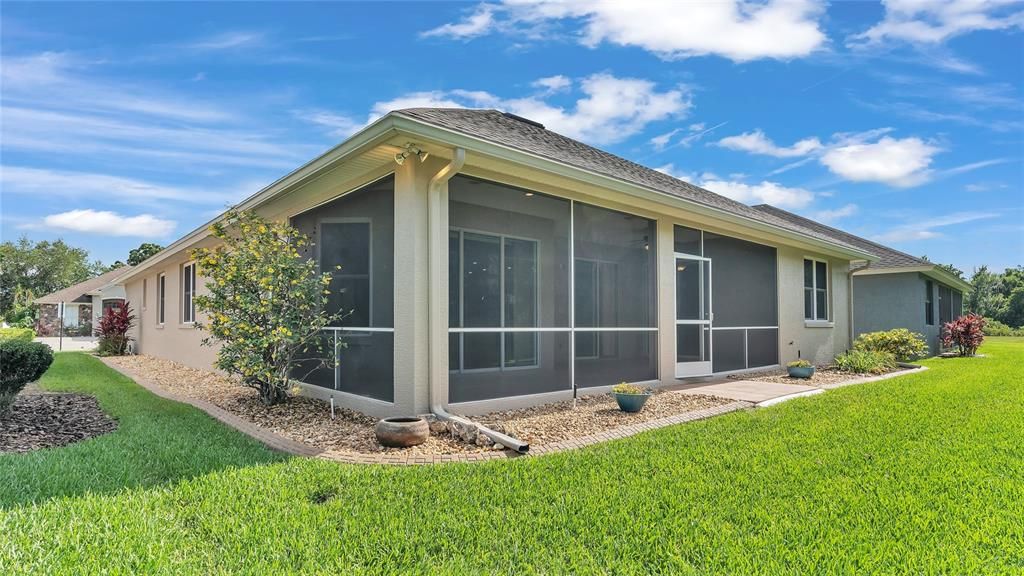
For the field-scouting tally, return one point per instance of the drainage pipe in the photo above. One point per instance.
(437, 212)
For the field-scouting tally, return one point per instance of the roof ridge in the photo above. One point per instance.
(841, 231)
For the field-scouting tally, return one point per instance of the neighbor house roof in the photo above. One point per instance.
(532, 137)
(889, 259)
(88, 287)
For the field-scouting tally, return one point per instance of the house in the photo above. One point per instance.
(896, 291)
(83, 305)
(492, 264)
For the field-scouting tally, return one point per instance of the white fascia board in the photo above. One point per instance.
(369, 137)
(929, 270)
(417, 129)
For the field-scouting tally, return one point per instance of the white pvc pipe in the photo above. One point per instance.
(438, 325)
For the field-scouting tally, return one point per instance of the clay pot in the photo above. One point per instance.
(402, 432)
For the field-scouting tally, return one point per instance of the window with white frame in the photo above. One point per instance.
(498, 285)
(815, 289)
(188, 291)
(161, 297)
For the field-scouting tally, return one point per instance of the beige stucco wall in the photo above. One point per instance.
(173, 340)
(413, 342)
(798, 338)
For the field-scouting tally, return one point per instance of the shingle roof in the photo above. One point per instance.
(531, 137)
(72, 293)
(888, 257)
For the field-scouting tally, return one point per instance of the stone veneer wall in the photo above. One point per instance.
(48, 322)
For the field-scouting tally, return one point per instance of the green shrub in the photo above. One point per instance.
(22, 362)
(22, 334)
(901, 343)
(994, 327)
(799, 364)
(865, 362)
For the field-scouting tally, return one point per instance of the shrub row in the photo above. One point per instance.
(23, 334)
(866, 362)
(994, 327)
(901, 343)
(22, 362)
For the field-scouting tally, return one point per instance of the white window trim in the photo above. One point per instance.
(192, 293)
(814, 321)
(161, 299)
(461, 369)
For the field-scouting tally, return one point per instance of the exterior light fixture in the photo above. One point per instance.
(411, 150)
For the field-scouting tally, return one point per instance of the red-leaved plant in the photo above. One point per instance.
(966, 333)
(113, 330)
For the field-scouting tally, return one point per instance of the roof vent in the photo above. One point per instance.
(524, 120)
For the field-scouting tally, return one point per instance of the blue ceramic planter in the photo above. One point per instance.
(800, 371)
(631, 402)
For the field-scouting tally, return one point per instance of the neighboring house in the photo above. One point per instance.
(898, 290)
(83, 305)
(492, 263)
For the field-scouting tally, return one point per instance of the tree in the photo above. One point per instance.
(984, 298)
(949, 268)
(265, 304)
(144, 251)
(29, 270)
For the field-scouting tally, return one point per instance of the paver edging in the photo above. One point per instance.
(281, 443)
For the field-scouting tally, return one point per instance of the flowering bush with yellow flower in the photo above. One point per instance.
(265, 304)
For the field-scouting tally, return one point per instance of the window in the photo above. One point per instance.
(929, 303)
(945, 305)
(497, 285)
(145, 292)
(815, 289)
(188, 291)
(346, 243)
(161, 293)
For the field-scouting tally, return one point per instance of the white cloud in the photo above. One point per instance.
(832, 215)
(764, 192)
(338, 125)
(553, 84)
(757, 143)
(609, 109)
(735, 29)
(674, 172)
(44, 185)
(660, 141)
(985, 186)
(230, 40)
(925, 228)
(105, 223)
(896, 162)
(934, 22)
(476, 24)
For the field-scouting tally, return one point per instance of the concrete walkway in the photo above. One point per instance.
(69, 343)
(757, 393)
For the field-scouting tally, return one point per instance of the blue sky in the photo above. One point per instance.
(901, 122)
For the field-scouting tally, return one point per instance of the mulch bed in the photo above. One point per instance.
(824, 376)
(50, 420)
(309, 420)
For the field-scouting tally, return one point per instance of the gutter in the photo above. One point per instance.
(849, 292)
(437, 211)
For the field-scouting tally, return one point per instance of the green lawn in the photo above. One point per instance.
(920, 474)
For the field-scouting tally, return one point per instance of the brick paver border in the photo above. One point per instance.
(281, 443)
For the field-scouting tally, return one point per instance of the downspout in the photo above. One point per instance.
(849, 292)
(437, 207)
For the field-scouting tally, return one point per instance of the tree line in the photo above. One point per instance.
(29, 270)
